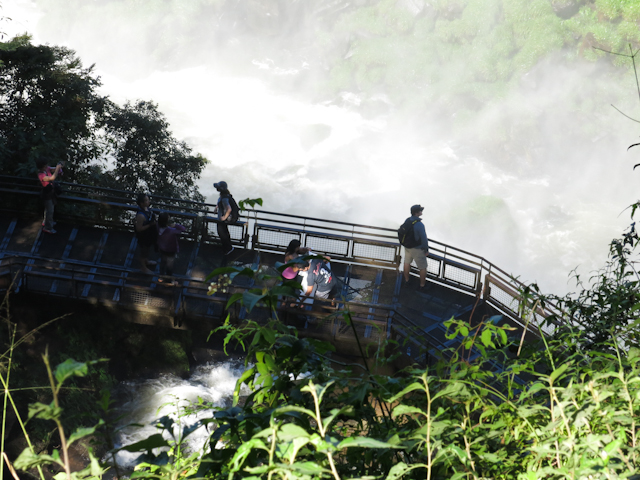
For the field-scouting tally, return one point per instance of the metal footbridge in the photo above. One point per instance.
(92, 259)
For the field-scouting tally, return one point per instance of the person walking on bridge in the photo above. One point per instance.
(146, 231)
(416, 245)
(225, 215)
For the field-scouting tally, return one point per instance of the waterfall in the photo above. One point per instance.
(145, 401)
(519, 183)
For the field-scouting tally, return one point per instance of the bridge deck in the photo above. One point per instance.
(93, 258)
(99, 261)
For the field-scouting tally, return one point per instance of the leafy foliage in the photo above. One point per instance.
(606, 307)
(146, 156)
(53, 412)
(489, 408)
(50, 106)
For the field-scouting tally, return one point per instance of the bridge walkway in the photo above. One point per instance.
(99, 255)
(92, 258)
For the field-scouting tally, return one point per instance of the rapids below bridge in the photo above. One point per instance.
(92, 261)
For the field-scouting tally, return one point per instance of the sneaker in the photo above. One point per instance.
(232, 249)
(52, 231)
(52, 223)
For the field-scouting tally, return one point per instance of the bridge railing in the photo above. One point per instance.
(272, 231)
(74, 281)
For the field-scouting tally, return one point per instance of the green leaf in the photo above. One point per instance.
(401, 468)
(308, 468)
(80, 433)
(364, 442)
(410, 388)
(45, 412)
(233, 299)
(290, 431)
(249, 299)
(406, 410)
(243, 452)
(221, 271)
(559, 371)
(464, 330)
(347, 409)
(149, 443)
(288, 409)
(450, 389)
(320, 390)
(70, 368)
(270, 336)
(28, 459)
(485, 338)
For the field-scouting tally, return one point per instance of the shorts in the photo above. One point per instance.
(328, 294)
(417, 255)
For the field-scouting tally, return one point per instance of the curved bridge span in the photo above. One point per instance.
(92, 260)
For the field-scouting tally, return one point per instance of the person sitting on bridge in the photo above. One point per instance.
(294, 250)
(319, 275)
(418, 248)
(168, 233)
(146, 231)
(47, 177)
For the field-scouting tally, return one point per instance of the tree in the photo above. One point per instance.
(49, 106)
(146, 156)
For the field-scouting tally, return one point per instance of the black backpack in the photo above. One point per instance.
(406, 234)
(235, 210)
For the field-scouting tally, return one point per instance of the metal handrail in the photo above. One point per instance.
(252, 220)
(23, 274)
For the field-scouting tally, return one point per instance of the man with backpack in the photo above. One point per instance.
(413, 237)
(228, 212)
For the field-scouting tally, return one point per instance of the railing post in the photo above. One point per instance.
(486, 293)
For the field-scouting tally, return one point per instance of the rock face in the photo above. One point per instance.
(566, 8)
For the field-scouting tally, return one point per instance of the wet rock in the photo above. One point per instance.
(566, 8)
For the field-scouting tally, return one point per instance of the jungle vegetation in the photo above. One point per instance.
(563, 407)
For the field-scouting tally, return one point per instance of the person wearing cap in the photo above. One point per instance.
(223, 209)
(418, 253)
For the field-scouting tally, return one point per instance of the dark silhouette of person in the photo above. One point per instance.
(146, 231)
(223, 209)
(47, 177)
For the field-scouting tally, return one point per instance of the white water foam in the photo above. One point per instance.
(551, 213)
(147, 400)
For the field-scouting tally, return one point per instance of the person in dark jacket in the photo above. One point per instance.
(146, 231)
(419, 253)
(223, 209)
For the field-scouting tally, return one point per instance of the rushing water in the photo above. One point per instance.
(145, 401)
(537, 216)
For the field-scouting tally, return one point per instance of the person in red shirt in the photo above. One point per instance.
(47, 177)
